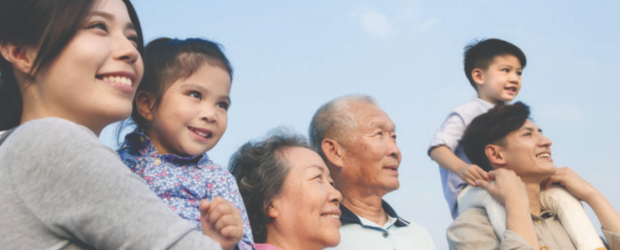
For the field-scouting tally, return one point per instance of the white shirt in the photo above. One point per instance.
(450, 134)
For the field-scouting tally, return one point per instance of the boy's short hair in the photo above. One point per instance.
(491, 128)
(480, 54)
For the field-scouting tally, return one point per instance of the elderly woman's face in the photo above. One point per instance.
(308, 205)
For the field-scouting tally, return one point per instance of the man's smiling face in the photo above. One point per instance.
(528, 152)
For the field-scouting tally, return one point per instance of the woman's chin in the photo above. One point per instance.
(333, 238)
(118, 115)
(335, 243)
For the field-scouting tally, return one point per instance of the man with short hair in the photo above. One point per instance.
(507, 142)
(357, 141)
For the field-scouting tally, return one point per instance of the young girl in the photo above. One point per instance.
(180, 113)
(69, 68)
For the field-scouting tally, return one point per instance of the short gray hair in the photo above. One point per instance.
(260, 169)
(334, 118)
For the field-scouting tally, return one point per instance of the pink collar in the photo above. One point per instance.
(265, 247)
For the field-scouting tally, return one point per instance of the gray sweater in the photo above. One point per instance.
(60, 188)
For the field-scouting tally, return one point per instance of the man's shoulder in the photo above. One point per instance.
(472, 216)
(405, 234)
(412, 236)
(474, 212)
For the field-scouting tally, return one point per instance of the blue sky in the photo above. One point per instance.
(290, 57)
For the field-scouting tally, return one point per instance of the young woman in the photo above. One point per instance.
(69, 68)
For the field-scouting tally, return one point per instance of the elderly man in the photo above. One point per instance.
(507, 143)
(358, 144)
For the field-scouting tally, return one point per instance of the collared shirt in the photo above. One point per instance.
(472, 230)
(182, 182)
(450, 134)
(397, 233)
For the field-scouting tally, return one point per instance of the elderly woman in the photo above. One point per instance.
(288, 193)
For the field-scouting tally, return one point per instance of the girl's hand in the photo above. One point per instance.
(221, 221)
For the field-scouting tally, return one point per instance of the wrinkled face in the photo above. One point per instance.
(501, 81)
(528, 152)
(193, 113)
(93, 80)
(307, 209)
(371, 156)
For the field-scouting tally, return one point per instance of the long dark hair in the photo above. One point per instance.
(47, 25)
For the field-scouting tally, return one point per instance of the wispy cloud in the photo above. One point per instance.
(374, 23)
(426, 25)
(381, 25)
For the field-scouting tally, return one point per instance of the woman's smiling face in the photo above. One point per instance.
(93, 80)
(308, 207)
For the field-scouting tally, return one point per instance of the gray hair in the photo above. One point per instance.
(260, 170)
(334, 118)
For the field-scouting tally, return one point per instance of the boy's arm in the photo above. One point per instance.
(448, 160)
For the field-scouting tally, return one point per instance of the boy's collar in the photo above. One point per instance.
(484, 103)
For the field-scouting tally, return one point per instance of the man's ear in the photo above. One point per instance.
(333, 152)
(478, 76)
(145, 102)
(22, 57)
(494, 153)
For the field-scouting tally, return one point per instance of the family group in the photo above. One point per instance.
(70, 68)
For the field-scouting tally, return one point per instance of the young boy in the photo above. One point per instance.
(493, 68)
